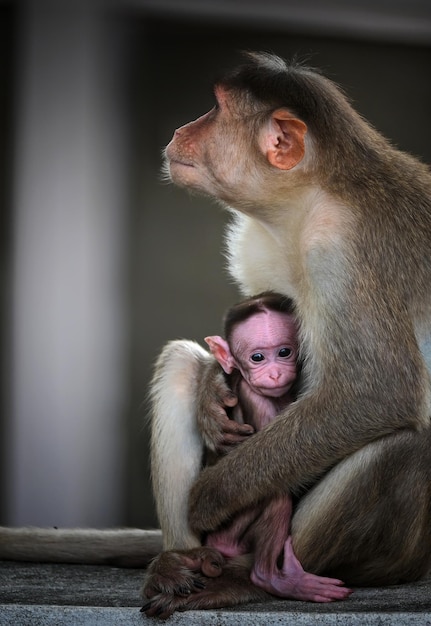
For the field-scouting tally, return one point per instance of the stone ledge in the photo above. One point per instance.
(75, 595)
(18, 615)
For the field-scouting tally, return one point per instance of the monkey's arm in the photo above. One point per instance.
(213, 396)
(348, 407)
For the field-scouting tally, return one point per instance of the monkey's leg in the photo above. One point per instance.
(233, 540)
(368, 521)
(288, 580)
(176, 445)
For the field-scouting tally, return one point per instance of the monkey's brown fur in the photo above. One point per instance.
(328, 213)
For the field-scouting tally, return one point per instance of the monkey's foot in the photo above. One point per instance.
(232, 587)
(292, 582)
(181, 572)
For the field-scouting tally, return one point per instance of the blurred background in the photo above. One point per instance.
(101, 261)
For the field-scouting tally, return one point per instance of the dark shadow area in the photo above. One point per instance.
(7, 57)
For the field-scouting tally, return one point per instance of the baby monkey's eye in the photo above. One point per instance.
(285, 353)
(257, 357)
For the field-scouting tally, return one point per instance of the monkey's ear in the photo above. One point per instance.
(220, 349)
(282, 140)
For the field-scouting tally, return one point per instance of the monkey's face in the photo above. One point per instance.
(240, 152)
(265, 350)
(206, 154)
(218, 154)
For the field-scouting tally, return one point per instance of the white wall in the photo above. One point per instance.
(65, 441)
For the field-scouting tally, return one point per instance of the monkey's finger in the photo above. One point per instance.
(162, 612)
(217, 412)
(212, 567)
(334, 592)
(154, 585)
(161, 607)
(230, 427)
(156, 611)
(207, 561)
(164, 606)
(229, 399)
(321, 589)
(229, 441)
(330, 581)
(331, 595)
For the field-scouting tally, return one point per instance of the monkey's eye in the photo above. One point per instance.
(285, 353)
(257, 357)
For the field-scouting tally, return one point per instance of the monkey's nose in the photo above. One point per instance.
(274, 374)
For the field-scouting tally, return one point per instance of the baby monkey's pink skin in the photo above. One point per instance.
(263, 350)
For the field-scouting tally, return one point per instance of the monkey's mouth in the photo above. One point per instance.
(275, 392)
(174, 159)
(181, 163)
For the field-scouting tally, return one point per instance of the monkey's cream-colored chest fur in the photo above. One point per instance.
(249, 247)
(279, 257)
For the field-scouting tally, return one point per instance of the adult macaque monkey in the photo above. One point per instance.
(328, 213)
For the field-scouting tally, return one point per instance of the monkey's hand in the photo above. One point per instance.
(218, 431)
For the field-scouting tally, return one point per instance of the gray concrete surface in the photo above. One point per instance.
(75, 595)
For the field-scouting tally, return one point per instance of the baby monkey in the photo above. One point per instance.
(259, 355)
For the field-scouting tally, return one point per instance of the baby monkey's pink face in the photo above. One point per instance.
(265, 349)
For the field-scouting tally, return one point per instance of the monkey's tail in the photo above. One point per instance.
(121, 547)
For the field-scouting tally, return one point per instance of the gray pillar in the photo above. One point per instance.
(68, 366)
